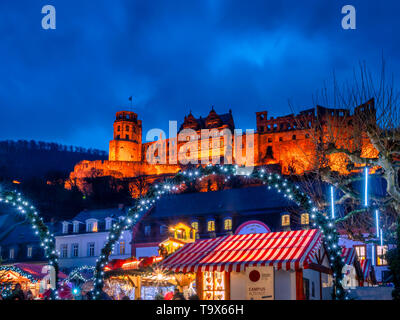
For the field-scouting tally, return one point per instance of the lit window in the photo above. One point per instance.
(91, 249)
(12, 253)
(91, 226)
(305, 218)
(380, 255)
(228, 224)
(64, 251)
(285, 220)
(211, 226)
(75, 250)
(361, 252)
(122, 247)
(195, 225)
(29, 252)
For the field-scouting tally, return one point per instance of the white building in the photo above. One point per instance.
(80, 240)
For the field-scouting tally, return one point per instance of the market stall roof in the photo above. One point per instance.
(283, 250)
(367, 270)
(349, 254)
(33, 271)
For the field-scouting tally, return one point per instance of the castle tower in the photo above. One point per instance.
(127, 142)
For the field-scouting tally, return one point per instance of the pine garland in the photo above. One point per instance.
(276, 181)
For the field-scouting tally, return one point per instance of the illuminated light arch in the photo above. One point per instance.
(47, 240)
(250, 222)
(281, 184)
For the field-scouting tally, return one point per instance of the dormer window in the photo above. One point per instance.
(305, 219)
(76, 227)
(65, 227)
(91, 225)
(285, 220)
(108, 223)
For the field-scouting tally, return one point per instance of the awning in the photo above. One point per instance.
(283, 250)
(33, 272)
(366, 268)
(349, 254)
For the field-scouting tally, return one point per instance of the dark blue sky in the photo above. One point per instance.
(65, 85)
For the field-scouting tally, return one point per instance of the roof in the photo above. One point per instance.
(99, 214)
(33, 270)
(283, 250)
(242, 200)
(349, 255)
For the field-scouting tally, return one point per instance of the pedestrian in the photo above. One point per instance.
(17, 293)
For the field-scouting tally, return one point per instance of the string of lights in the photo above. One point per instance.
(47, 240)
(281, 184)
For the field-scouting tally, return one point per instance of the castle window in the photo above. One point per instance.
(294, 137)
(117, 137)
(270, 153)
(127, 128)
(305, 219)
(285, 220)
(280, 139)
(228, 224)
(269, 139)
(127, 137)
(119, 128)
(211, 225)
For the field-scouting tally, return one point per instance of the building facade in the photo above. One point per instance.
(289, 142)
(80, 240)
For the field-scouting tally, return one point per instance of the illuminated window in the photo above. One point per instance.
(305, 218)
(91, 226)
(122, 247)
(285, 220)
(29, 252)
(211, 226)
(380, 255)
(228, 224)
(195, 225)
(361, 251)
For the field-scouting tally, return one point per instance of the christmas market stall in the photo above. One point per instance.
(352, 273)
(142, 279)
(33, 277)
(265, 266)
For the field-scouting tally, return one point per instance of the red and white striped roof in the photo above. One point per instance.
(349, 254)
(283, 250)
(366, 268)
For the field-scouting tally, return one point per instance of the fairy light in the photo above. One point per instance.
(366, 187)
(332, 204)
(289, 189)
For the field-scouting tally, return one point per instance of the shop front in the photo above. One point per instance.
(290, 265)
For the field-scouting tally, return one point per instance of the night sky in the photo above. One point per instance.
(65, 85)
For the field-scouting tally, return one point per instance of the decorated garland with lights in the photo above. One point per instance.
(77, 273)
(47, 240)
(21, 272)
(276, 181)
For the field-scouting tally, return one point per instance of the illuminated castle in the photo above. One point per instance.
(288, 142)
